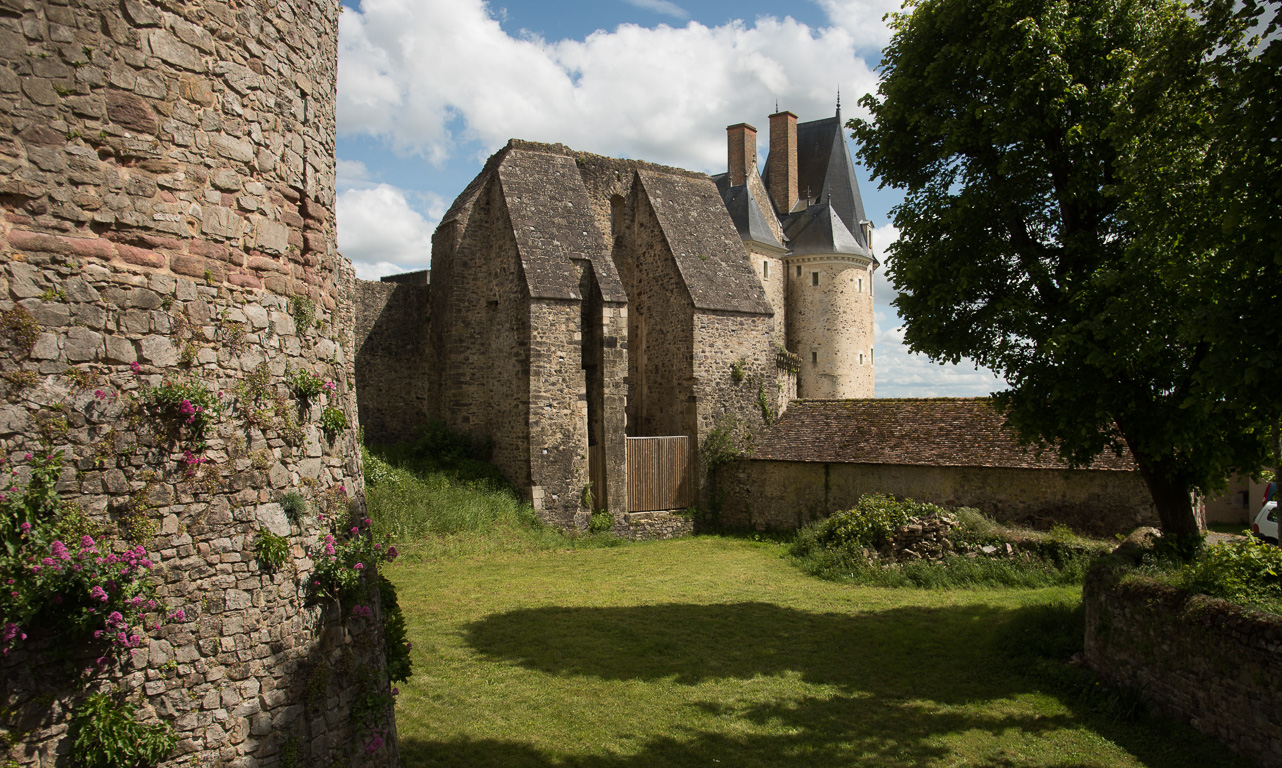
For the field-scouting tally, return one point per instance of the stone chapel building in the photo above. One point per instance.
(576, 301)
(598, 319)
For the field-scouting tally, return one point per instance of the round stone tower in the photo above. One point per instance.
(830, 324)
(175, 329)
(829, 263)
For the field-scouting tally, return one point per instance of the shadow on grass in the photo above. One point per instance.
(908, 652)
(902, 678)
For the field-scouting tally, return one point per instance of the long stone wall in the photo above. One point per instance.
(166, 184)
(784, 494)
(1201, 660)
(393, 358)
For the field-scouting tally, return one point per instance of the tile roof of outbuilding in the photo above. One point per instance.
(948, 432)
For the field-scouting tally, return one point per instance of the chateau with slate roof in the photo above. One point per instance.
(599, 320)
(576, 301)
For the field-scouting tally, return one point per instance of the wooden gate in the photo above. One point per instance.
(659, 473)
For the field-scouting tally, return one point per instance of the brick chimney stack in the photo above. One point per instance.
(741, 146)
(782, 163)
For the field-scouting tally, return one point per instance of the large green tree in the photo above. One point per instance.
(1012, 126)
(1203, 177)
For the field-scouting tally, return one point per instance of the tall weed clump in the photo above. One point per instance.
(440, 496)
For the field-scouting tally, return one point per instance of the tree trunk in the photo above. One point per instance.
(1174, 501)
(1177, 512)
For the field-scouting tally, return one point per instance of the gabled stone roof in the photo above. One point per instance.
(945, 432)
(551, 219)
(704, 243)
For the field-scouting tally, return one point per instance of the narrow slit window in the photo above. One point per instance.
(814, 357)
(861, 285)
(765, 270)
(814, 278)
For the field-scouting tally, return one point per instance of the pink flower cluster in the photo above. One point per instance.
(185, 408)
(190, 460)
(118, 632)
(362, 611)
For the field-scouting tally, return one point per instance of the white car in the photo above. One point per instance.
(1266, 522)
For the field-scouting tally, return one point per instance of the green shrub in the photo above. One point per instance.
(602, 522)
(395, 636)
(871, 522)
(843, 548)
(1245, 571)
(976, 529)
(271, 549)
(305, 385)
(724, 441)
(303, 310)
(333, 421)
(107, 735)
(377, 471)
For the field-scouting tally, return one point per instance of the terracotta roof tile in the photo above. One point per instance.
(948, 432)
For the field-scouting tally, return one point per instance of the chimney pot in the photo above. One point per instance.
(741, 149)
(782, 163)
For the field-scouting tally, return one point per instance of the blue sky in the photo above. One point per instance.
(429, 88)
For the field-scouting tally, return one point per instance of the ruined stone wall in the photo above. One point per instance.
(646, 526)
(481, 332)
(1207, 662)
(558, 420)
(393, 358)
(166, 183)
(727, 347)
(781, 494)
(660, 328)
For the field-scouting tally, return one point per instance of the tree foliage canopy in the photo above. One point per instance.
(1041, 143)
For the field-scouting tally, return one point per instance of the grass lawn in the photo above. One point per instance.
(715, 651)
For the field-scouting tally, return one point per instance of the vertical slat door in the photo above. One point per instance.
(659, 473)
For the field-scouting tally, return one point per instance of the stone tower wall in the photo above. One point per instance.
(830, 325)
(167, 192)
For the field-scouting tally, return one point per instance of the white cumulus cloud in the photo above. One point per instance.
(428, 76)
(661, 6)
(862, 19)
(382, 233)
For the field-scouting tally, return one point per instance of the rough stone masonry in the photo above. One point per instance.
(166, 218)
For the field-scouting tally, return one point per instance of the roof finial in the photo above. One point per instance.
(839, 100)
(776, 106)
